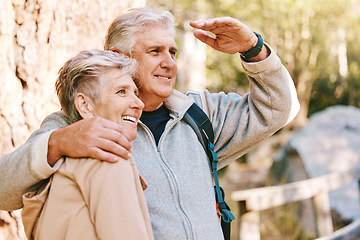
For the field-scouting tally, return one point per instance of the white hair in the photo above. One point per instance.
(82, 74)
(122, 33)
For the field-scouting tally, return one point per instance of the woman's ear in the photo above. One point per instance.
(120, 52)
(84, 105)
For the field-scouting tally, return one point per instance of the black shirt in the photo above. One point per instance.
(156, 121)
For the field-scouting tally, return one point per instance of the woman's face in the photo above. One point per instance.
(118, 101)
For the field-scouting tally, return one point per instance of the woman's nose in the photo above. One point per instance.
(137, 103)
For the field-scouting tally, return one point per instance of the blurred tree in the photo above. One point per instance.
(36, 38)
(311, 38)
(316, 40)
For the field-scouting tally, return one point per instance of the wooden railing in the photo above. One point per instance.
(351, 231)
(252, 201)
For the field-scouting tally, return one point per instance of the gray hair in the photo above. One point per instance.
(122, 32)
(81, 74)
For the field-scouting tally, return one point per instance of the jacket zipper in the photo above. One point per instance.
(172, 177)
(177, 195)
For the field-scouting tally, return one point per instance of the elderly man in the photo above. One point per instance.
(169, 156)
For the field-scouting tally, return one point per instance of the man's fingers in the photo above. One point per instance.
(197, 24)
(112, 147)
(114, 132)
(206, 25)
(205, 38)
(213, 24)
(96, 137)
(108, 141)
(230, 35)
(97, 153)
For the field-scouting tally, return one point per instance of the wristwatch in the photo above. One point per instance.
(254, 51)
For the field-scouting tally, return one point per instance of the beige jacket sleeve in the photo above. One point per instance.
(91, 199)
(22, 169)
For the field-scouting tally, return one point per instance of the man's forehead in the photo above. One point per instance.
(156, 37)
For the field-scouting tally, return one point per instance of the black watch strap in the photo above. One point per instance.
(254, 51)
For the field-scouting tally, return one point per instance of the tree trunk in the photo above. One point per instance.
(191, 62)
(36, 38)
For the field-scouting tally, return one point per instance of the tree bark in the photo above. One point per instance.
(36, 38)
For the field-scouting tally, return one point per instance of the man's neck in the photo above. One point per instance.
(152, 102)
(152, 107)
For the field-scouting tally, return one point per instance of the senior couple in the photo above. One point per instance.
(84, 198)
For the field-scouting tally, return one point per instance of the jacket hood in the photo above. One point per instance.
(178, 103)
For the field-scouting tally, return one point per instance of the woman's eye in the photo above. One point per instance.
(121, 91)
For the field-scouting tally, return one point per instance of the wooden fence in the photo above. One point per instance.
(252, 201)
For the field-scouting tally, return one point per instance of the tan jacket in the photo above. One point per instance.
(89, 199)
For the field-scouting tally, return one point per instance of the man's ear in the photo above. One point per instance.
(84, 105)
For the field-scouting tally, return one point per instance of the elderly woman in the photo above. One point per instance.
(88, 198)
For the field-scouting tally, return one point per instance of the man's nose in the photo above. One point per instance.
(168, 61)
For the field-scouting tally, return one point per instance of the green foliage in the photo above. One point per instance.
(307, 35)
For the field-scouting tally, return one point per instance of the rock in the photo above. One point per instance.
(329, 143)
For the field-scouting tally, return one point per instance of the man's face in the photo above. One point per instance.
(155, 52)
(118, 101)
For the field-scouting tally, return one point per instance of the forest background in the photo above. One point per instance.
(317, 41)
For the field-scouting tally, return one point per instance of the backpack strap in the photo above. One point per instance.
(201, 124)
